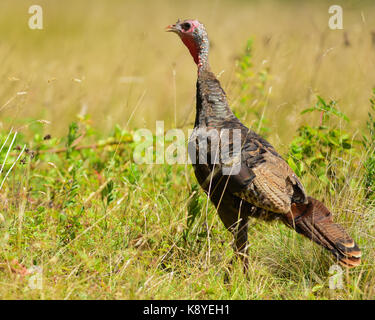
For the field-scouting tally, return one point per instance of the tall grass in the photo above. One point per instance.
(106, 58)
(9, 148)
(74, 205)
(100, 226)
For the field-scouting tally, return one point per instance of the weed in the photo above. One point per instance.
(323, 150)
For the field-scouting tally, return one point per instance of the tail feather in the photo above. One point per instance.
(314, 221)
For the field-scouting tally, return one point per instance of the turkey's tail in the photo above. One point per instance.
(314, 221)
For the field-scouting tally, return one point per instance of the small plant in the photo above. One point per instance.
(369, 144)
(73, 135)
(70, 215)
(107, 197)
(253, 91)
(194, 233)
(107, 194)
(322, 149)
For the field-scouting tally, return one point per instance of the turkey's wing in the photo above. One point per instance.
(274, 185)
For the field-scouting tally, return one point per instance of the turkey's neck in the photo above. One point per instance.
(198, 49)
(212, 106)
(202, 61)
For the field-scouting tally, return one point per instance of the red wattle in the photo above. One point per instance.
(192, 46)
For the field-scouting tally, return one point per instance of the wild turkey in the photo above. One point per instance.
(263, 185)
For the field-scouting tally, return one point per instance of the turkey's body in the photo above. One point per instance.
(261, 183)
(265, 186)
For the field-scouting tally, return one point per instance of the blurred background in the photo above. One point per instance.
(113, 60)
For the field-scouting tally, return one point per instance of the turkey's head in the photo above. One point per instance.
(194, 36)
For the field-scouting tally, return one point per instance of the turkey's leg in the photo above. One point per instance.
(233, 211)
(235, 219)
(239, 228)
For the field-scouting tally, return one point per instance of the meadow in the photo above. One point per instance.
(79, 219)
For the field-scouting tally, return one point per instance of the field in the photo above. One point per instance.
(79, 219)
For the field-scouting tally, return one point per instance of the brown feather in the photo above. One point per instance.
(314, 221)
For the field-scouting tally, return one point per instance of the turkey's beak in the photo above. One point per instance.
(172, 28)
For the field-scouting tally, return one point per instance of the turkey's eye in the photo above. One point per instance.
(186, 26)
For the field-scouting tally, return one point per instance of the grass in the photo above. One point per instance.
(102, 227)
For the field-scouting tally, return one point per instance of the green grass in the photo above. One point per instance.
(102, 227)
